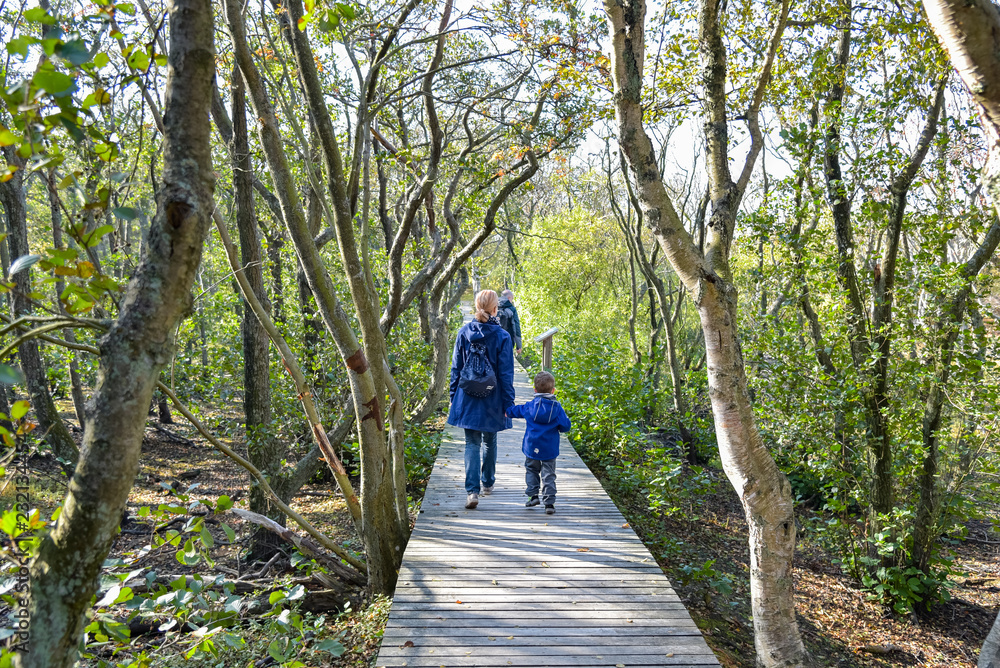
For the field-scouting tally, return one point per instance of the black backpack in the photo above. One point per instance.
(478, 379)
(506, 317)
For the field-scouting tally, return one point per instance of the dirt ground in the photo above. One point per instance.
(840, 625)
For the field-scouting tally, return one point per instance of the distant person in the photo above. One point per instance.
(482, 388)
(509, 319)
(546, 418)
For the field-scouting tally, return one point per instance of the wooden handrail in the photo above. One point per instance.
(545, 338)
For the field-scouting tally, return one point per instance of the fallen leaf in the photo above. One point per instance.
(670, 653)
(625, 526)
(408, 643)
(583, 549)
(490, 638)
(510, 637)
(545, 564)
(431, 651)
(494, 582)
(458, 602)
(619, 665)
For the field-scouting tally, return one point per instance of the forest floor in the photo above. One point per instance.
(174, 458)
(840, 624)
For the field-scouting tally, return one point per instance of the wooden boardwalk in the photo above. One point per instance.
(504, 585)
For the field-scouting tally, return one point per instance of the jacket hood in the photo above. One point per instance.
(480, 331)
(504, 302)
(543, 410)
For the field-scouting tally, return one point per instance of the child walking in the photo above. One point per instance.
(545, 418)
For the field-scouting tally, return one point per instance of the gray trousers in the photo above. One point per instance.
(543, 470)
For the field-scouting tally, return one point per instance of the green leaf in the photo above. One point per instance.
(19, 409)
(39, 15)
(230, 534)
(207, 540)
(224, 503)
(101, 59)
(75, 52)
(277, 650)
(126, 213)
(106, 152)
(94, 237)
(346, 11)
(275, 597)
(126, 8)
(139, 60)
(7, 138)
(19, 45)
(330, 646)
(55, 84)
(160, 59)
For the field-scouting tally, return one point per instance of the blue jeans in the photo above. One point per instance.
(474, 441)
(541, 471)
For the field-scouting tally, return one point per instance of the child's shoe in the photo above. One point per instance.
(533, 501)
(550, 510)
(472, 501)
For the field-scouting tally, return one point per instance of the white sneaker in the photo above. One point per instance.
(487, 490)
(472, 501)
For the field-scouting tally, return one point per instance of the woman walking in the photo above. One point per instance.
(482, 388)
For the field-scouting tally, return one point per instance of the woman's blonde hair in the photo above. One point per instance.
(486, 303)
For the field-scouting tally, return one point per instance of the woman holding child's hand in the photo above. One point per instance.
(482, 388)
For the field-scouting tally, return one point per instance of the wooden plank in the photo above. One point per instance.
(534, 661)
(571, 618)
(637, 608)
(576, 588)
(682, 645)
(399, 635)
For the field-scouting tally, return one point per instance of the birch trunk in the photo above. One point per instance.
(139, 344)
(989, 657)
(764, 491)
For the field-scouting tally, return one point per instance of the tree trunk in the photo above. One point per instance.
(32, 364)
(264, 449)
(764, 491)
(76, 387)
(382, 535)
(137, 346)
(163, 409)
(989, 656)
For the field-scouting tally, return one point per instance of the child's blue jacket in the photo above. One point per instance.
(487, 413)
(546, 418)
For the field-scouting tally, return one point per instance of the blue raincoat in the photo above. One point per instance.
(486, 414)
(546, 418)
